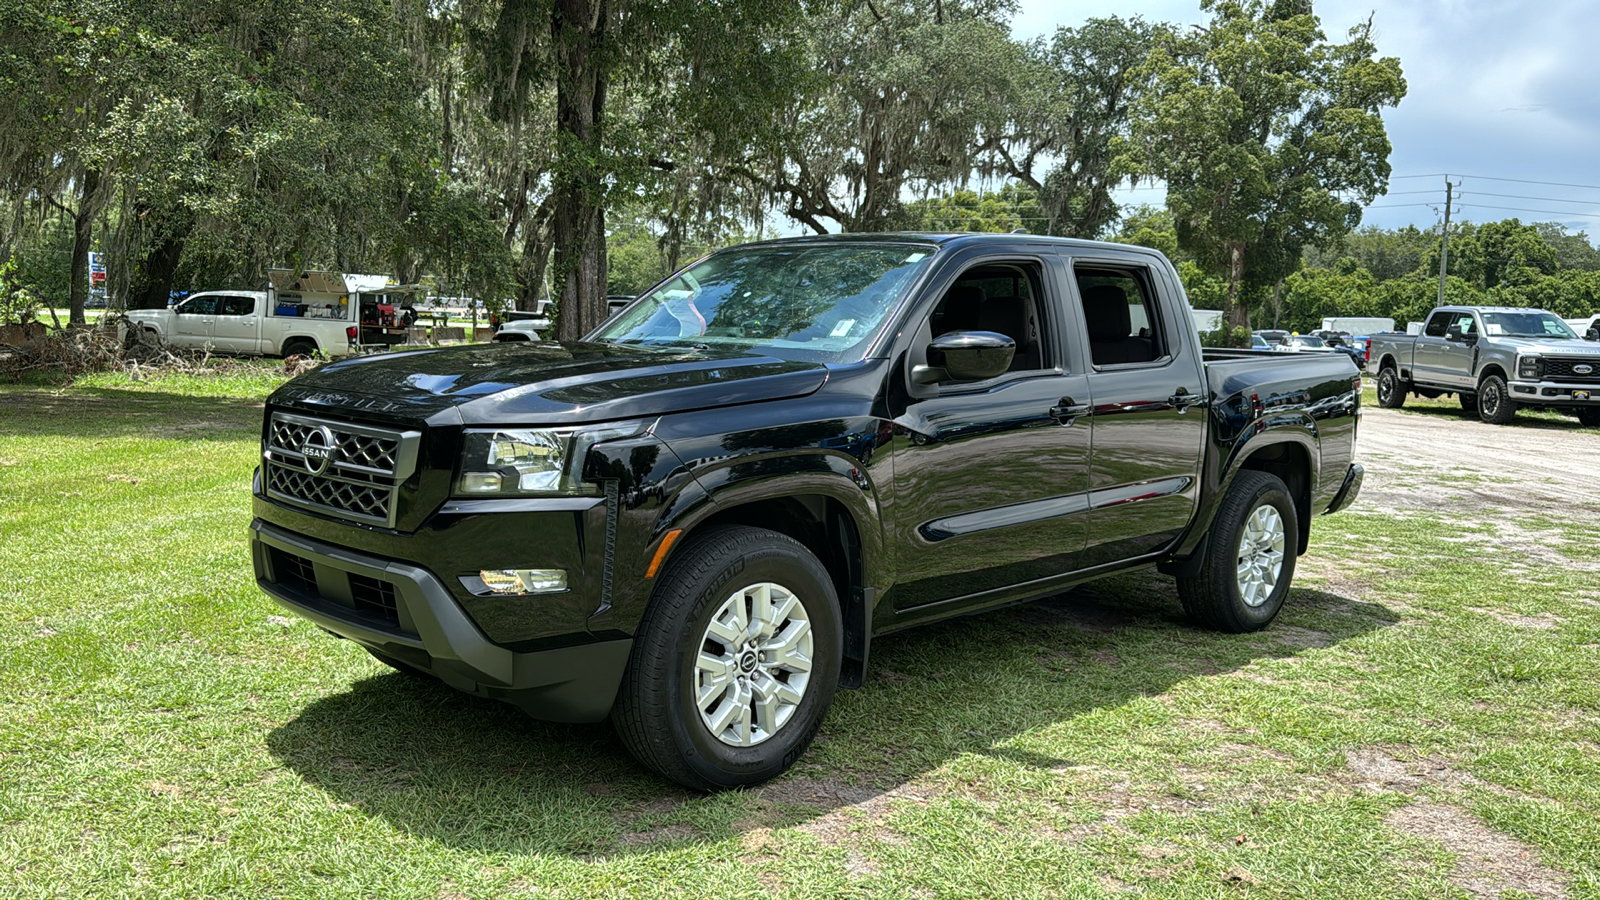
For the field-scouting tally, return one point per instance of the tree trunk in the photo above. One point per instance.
(82, 241)
(577, 230)
(1238, 313)
(152, 277)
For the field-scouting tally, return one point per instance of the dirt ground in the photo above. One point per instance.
(1441, 460)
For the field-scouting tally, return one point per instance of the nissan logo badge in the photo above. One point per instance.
(318, 449)
(1582, 369)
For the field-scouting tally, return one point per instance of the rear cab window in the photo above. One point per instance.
(1122, 316)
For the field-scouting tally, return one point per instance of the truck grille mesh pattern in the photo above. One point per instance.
(360, 478)
(1560, 369)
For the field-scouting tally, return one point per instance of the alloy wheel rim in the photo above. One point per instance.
(1260, 560)
(1491, 399)
(754, 664)
(1386, 387)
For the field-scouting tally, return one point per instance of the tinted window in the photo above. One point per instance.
(1437, 323)
(236, 306)
(198, 306)
(1123, 320)
(998, 297)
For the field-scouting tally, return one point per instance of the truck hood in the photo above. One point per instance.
(542, 382)
(1548, 347)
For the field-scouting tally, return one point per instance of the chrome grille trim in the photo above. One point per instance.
(363, 477)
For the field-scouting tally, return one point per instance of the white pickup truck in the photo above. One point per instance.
(329, 312)
(246, 322)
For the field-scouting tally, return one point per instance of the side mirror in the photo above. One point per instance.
(972, 355)
(1592, 334)
(1453, 333)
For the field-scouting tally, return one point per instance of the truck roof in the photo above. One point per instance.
(956, 239)
(1504, 309)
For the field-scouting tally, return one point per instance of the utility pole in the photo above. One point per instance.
(1444, 252)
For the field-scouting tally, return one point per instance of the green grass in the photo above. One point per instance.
(165, 731)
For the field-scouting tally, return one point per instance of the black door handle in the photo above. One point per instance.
(1068, 410)
(1182, 400)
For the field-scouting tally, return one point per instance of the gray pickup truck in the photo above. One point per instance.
(1496, 359)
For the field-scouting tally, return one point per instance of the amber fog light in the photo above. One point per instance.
(524, 581)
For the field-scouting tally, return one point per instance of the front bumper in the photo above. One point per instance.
(405, 612)
(1555, 393)
(1349, 490)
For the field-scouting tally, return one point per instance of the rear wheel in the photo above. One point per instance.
(1495, 406)
(299, 347)
(1249, 560)
(735, 662)
(1391, 390)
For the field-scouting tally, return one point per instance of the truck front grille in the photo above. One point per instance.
(360, 477)
(1561, 368)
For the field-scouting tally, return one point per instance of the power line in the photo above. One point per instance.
(1525, 197)
(1554, 212)
(1592, 187)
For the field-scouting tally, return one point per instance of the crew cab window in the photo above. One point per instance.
(198, 306)
(1438, 322)
(999, 297)
(236, 306)
(1123, 320)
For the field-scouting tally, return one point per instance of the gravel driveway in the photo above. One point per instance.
(1441, 461)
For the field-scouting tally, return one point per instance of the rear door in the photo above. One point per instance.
(194, 321)
(238, 324)
(1148, 394)
(990, 477)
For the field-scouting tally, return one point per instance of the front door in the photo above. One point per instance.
(195, 320)
(1440, 361)
(1149, 400)
(990, 478)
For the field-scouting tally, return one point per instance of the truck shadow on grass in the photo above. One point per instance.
(114, 413)
(481, 776)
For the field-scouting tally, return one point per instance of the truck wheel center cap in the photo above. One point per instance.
(747, 661)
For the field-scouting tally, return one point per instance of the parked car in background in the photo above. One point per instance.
(1273, 336)
(520, 330)
(1496, 359)
(1257, 342)
(1583, 327)
(1310, 343)
(1357, 324)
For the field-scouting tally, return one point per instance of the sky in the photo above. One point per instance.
(1502, 98)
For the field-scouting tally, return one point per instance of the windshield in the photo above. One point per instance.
(820, 302)
(1529, 324)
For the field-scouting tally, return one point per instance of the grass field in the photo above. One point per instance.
(1421, 722)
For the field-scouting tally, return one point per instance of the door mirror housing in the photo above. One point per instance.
(1453, 333)
(972, 355)
(1592, 334)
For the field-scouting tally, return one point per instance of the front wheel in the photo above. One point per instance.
(1249, 560)
(1589, 416)
(1391, 390)
(1495, 406)
(735, 662)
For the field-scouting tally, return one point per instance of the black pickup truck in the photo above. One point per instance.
(696, 521)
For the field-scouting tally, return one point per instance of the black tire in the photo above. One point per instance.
(1588, 416)
(1495, 405)
(1391, 390)
(656, 714)
(1213, 597)
(299, 347)
(1469, 402)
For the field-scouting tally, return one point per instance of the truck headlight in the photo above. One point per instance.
(1530, 367)
(520, 462)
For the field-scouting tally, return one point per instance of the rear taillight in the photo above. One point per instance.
(351, 332)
